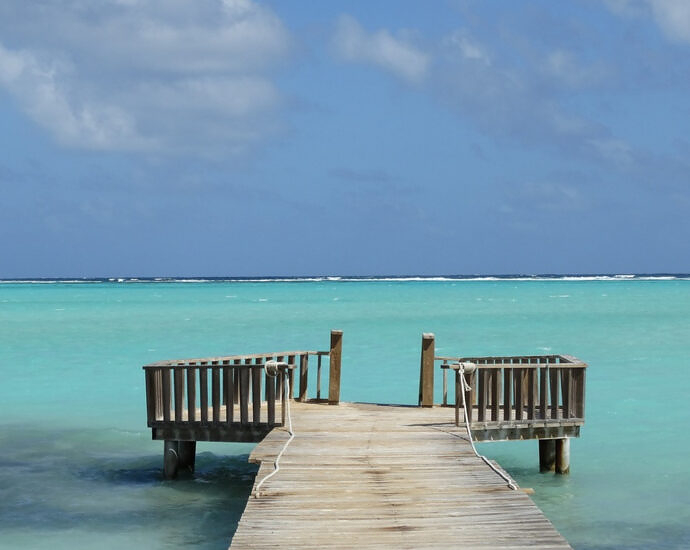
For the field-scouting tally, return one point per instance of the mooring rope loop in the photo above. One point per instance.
(272, 368)
(465, 388)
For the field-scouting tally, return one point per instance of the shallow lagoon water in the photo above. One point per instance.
(78, 468)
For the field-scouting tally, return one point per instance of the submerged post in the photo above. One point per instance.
(334, 374)
(563, 456)
(426, 371)
(547, 455)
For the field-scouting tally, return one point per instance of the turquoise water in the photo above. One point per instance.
(78, 468)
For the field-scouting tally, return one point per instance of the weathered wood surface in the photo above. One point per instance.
(378, 476)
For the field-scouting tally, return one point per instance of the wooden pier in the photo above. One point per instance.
(367, 475)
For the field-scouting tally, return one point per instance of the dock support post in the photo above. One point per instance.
(426, 371)
(334, 374)
(547, 455)
(187, 455)
(171, 459)
(563, 456)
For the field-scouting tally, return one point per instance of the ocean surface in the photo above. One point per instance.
(78, 469)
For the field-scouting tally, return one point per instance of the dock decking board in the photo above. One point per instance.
(380, 476)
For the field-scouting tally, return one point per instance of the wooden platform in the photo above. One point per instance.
(380, 476)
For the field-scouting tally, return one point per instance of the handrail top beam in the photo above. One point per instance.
(226, 360)
(499, 362)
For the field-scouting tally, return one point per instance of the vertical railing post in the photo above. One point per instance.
(580, 392)
(303, 376)
(426, 371)
(334, 374)
(150, 396)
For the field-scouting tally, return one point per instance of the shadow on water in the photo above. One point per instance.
(75, 482)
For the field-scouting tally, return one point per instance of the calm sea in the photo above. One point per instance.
(78, 468)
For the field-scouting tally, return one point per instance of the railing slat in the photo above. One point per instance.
(271, 399)
(291, 375)
(244, 393)
(579, 375)
(553, 379)
(215, 393)
(318, 378)
(256, 391)
(191, 395)
(531, 395)
(468, 395)
(507, 391)
(229, 392)
(543, 390)
(303, 376)
(495, 394)
(481, 393)
(150, 396)
(179, 393)
(565, 383)
(203, 394)
(236, 381)
(166, 394)
(280, 380)
(518, 393)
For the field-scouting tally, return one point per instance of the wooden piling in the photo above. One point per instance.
(563, 456)
(334, 374)
(547, 455)
(186, 451)
(171, 459)
(426, 371)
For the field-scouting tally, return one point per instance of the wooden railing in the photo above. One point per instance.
(515, 397)
(546, 387)
(232, 398)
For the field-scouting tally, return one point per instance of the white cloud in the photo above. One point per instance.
(162, 75)
(469, 48)
(394, 54)
(672, 16)
(565, 68)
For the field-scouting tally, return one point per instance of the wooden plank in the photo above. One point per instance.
(354, 478)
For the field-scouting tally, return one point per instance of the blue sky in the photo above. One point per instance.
(237, 138)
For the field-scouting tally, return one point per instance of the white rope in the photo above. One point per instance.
(276, 462)
(466, 387)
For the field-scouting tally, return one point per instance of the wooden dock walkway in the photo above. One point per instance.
(373, 476)
(381, 476)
